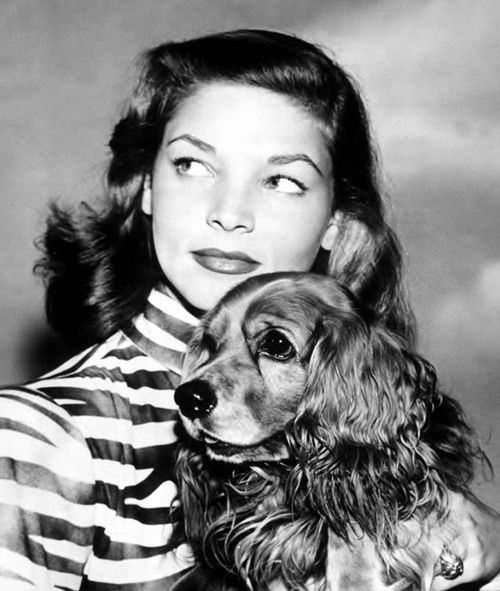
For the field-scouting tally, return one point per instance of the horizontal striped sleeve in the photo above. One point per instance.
(39, 578)
(47, 510)
(140, 571)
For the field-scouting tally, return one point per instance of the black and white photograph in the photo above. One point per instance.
(250, 295)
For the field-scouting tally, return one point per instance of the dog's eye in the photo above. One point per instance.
(276, 345)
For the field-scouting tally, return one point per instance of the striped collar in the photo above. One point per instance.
(163, 329)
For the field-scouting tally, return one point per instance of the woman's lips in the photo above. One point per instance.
(229, 263)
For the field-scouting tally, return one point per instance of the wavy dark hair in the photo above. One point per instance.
(98, 262)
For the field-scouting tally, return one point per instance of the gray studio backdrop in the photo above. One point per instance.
(429, 71)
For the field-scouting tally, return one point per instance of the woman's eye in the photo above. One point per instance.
(285, 184)
(191, 167)
(276, 345)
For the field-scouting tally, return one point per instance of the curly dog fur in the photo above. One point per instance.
(319, 448)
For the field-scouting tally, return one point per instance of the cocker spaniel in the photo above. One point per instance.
(319, 450)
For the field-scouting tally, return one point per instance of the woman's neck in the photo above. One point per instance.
(165, 287)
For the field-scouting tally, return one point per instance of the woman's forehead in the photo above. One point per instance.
(221, 114)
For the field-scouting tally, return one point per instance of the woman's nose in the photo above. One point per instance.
(231, 209)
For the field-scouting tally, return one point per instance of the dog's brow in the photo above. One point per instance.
(215, 331)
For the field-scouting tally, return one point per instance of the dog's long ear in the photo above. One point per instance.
(358, 430)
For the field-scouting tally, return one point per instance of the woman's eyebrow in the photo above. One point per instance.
(288, 158)
(278, 159)
(195, 141)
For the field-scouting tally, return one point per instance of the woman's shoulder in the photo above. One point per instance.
(111, 391)
(108, 378)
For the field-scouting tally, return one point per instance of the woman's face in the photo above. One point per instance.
(242, 185)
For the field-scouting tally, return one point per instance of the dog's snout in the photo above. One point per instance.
(195, 399)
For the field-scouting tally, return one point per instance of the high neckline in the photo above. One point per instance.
(163, 329)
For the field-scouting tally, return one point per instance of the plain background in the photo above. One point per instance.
(429, 70)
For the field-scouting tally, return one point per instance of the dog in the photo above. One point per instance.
(318, 451)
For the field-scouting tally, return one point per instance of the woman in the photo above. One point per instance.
(239, 153)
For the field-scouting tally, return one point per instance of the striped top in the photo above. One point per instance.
(86, 464)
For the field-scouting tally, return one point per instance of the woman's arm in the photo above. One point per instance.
(46, 495)
(476, 540)
(471, 532)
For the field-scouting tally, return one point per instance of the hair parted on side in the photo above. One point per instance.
(99, 263)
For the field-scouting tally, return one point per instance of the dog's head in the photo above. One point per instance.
(292, 349)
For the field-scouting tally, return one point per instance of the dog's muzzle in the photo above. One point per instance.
(195, 399)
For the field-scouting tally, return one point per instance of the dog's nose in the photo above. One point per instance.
(195, 399)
